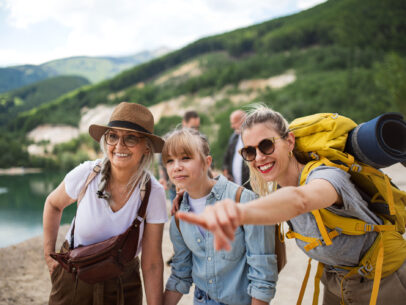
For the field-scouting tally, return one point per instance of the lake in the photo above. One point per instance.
(22, 200)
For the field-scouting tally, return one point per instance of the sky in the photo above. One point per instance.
(37, 31)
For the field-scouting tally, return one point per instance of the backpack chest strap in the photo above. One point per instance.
(312, 242)
(338, 225)
(350, 226)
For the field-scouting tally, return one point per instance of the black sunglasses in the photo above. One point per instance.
(266, 146)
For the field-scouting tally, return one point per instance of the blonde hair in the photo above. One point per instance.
(187, 141)
(261, 114)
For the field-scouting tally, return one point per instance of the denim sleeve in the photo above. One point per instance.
(261, 258)
(180, 279)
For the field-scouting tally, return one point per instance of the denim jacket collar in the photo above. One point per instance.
(219, 188)
(217, 192)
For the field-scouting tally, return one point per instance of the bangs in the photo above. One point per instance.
(180, 143)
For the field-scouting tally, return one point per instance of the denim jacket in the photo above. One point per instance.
(248, 270)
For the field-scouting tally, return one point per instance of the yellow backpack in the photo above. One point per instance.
(320, 140)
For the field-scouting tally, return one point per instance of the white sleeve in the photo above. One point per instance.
(76, 178)
(156, 210)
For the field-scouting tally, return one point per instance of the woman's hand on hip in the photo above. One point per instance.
(51, 263)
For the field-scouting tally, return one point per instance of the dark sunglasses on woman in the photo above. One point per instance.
(266, 146)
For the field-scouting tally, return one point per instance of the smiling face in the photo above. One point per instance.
(124, 156)
(273, 167)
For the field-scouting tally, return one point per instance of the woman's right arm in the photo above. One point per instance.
(54, 205)
(223, 218)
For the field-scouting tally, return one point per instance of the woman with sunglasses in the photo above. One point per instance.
(245, 275)
(269, 151)
(109, 206)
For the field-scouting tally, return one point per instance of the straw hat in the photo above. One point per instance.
(131, 117)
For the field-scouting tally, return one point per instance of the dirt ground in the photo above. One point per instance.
(24, 278)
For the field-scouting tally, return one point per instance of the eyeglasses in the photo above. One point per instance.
(129, 140)
(266, 146)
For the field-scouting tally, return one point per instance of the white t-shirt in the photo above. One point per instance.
(197, 206)
(96, 221)
(237, 162)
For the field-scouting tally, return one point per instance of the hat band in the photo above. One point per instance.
(128, 125)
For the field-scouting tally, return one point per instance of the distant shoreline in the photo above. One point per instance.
(19, 170)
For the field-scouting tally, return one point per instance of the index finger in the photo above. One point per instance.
(192, 218)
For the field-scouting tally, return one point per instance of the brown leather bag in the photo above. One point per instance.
(104, 260)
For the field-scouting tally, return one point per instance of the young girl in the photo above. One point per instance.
(268, 149)
(247, 273)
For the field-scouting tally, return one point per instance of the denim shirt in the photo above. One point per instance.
(248, 270)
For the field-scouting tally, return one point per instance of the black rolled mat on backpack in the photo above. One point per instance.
(380, 142)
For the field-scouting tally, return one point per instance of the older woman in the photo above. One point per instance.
(110, 204)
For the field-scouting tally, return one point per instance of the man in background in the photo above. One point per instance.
(190, 119)
(234, 167)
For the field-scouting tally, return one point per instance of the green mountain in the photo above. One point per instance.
(18, 76)
(345, 56)
(14, 102)
(95, 69)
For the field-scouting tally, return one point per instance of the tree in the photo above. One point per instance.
(390, 75)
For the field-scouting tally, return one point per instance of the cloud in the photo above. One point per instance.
(105, 27)
(305, 4)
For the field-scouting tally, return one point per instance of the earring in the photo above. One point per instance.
(290, 154)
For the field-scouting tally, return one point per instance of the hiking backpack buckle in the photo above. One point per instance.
(369, 227)
(356, 168)
(365, 270)
(314, 156)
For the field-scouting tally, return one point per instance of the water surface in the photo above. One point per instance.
(22, 200)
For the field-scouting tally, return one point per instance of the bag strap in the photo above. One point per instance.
(92, 175)
(145, 191)
(129, 241)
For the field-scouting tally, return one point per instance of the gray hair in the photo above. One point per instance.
(261, 114)
(139, 176)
